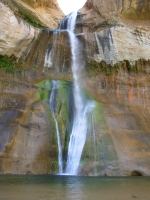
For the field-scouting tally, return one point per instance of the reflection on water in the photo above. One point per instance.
(74, 189)
(47, 187)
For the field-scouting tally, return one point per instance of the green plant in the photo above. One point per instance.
(20, 69)
(128, 65)
(3, 61)
(34, 66)
(108, 73)
(103, 69)
(10, 69)
(7, 63)
(94, 68)
(29, 20)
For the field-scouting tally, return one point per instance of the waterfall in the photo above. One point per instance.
(82, 106)
(52, 103)
(79, 129)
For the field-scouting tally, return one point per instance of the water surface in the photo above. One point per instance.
(46, 187)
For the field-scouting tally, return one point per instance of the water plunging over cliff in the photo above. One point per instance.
(81, 106)
(79, 128)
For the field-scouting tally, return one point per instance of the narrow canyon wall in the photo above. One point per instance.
(116, 43)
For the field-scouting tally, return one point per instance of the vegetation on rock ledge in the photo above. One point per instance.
(9, 64)
(94, 68)
(29, 20)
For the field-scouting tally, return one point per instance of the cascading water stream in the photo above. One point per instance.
(52, 103)
(79, 129)
(82, 106)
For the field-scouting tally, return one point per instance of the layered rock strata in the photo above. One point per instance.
(112, 34)
(44, 12)
(16, 36)
(118, 45)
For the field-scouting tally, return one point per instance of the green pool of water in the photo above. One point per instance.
(47, 187)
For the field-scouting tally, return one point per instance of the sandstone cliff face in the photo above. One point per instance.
(16, 36)
(19, 153)
(97, 11)
(118, 45)
(27, 132)
(44, 12)
(27, 144)
(124, 100)
(117, 35)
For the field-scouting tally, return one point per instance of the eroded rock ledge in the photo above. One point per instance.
(16, 36)
(44, 12)
(117, 31)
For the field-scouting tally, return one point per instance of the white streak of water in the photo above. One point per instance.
(48, 60)
(52, 103)
(79, 129)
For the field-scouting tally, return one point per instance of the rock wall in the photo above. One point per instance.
(125, 112)
(16, 36)
(96, 11)
(117, 49)
(27, 132)
(44, 12)
(111, 35)
(27, 142)
(27, 138)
